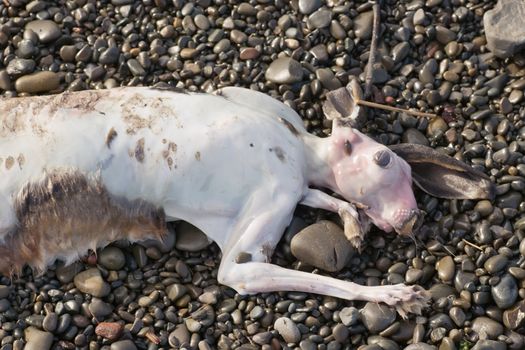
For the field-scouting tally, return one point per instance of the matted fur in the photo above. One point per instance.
(67, 212)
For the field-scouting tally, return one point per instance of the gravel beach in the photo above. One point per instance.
(461, 60)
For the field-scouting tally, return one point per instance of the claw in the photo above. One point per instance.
(352, 229)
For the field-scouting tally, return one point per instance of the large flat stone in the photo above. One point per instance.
(505, 27)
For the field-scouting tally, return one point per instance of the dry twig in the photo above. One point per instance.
(373, 49)
(394, 109)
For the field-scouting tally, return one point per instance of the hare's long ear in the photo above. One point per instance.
(442, 176)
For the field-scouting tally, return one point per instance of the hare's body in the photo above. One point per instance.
(80, 170)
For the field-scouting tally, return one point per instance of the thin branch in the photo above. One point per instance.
(394, 109)
(373, 49)
(472, 244)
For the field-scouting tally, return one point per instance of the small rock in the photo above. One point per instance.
(514, 317)
(50, 322)
(190, 238)
(65, 274)
(112, 258)
(287, 329)
(486, 344)
(446, 268)
(175, 291)
(46, 30)
(91, 282)
(495, 263)
(504, 29)
(485, 326)
(306, 7)
(320, 18)
(322, 245)
(38, 82)
(284, 70)
(179, 336)
(349, 316)
(20, 66)
(109, 330)
(123, 345)
(505, 292)
(377, 317)
(99, 309)
(4, 291)
(363, 25)
(37, 339)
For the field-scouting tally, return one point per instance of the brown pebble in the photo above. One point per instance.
(109, 330)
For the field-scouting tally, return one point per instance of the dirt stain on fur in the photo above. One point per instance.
(65, 214)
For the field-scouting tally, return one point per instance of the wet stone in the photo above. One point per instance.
(322, 245)
(446, 268)
(485, 326)
(20, 66)
(112, 258)
(179, 336)
(65, 274)
(91, 282)
(308, 6)
(377, 317)
(496, 263)
(349, 316)
(5, 80)
(284, 70)
(487, 344)
(505, 292)
(37, 339)
(109, 330)
(420, 346)
(287, 329)
(190, 238)
(38, 82)
(320, 18)
(100, 309)
(504, 29)
(363, 25)
(123, 345)
(50, 322)
(414, 136)
(46, 30)
(514, 317)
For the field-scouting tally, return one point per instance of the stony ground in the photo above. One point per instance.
(432, 56)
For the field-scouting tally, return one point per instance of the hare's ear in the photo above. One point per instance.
(442, 176)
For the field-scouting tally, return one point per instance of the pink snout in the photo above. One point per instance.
(407, 221)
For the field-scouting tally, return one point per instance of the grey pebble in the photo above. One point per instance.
(135, 67)
(496, 263)
(99, 309)
(20, 66)
(123, 345)
(349, 315)
(446, 268)
(50, 322)
(377, 317)
(38, 82)
(190, 238)
(37, 339)
(363, 25)
(4, 291)
(505, 292)
(284, 70)
(46, 30)
(91, 282)
(485, 326)
(320, 18)
(487, 344)
(504, 29)
(322, 245)
(287, 329)
(175, 291)
(420, 346)
(179, 336)
(308, 6)
(112, 258)
(5, 80)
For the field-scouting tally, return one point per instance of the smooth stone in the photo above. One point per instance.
(505, 292)
(426, 75)
(439, 290)
(37, 339)
(462, 278)
(123, 345)
(400, 51)
(306, 7)
(135, 68)
(109, 56)
(320, 18)
(420, 346)
(323, 245)
(4, 305)
(412, 135)
(190, 238)
(284, 70)
(91, 282)
(99, 309)
(340, 333)
(511, 199)
(38, 82)
(349, 316)
(496, 263)
(363, 25)
(515, 96)
(487, 344)
(437, 127)
(4, 291)
(377, 317)
(444, 35)
(112, 258)
(179, 336)
(446, 268)
(109, 330)
(458, 316)
(485, 326)
(65, 274)
(5, 80)
(20, 66)
(419, 17)
(50, 322)
(46, 30)
(514, 317)
(327, 78)
(287, 329)
(175, 291)
(505, 28)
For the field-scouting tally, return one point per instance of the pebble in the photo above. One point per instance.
(284, 70)
(485, 326)
(123, 345)
(487, 344)
(446, 268)
(287, 329)
(190, 238)
(179, 336)
(50, 322)
(39, 82)
(322, 245)
(349, 316)
(505, 292)
(20, 66)
(514, 317)
(99, 309)
(112, 258)
(46, 30)
(504, 30)
(308, 6)
(91, 282)
(363, 25)
(320, 18)
(377, 317)
(109, 330)
(37, 339)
